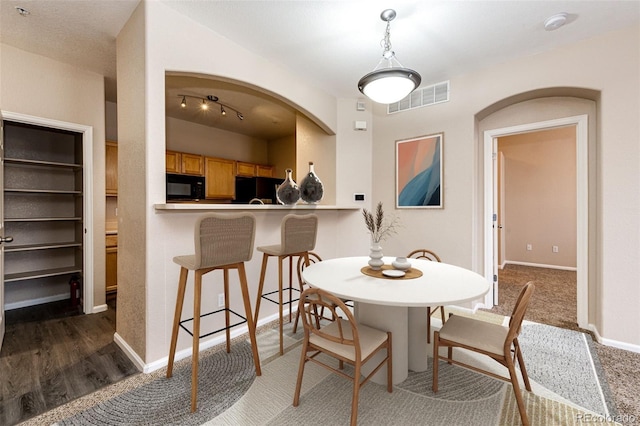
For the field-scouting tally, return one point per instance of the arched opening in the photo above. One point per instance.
(535, 111)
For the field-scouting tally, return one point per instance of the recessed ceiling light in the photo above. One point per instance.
(22, 11)
(556, 21)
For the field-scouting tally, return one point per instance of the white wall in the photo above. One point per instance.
(41, 87)
(455, 232)
(154, 41)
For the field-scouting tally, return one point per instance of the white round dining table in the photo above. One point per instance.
(398, 304)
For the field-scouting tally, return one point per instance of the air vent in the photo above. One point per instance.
(422, 97)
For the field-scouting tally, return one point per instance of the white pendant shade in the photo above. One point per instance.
(389, 85)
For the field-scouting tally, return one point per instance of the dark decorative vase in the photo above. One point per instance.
(288, 192)
(311, 189)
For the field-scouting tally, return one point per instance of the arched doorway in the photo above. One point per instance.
(537, 113)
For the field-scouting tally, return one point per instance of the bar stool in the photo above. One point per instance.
(297, 238)
(222, 241)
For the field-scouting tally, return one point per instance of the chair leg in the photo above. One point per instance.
(280, 319)
(356, 395)
(196, 339)
(428, 324)
(263, 272)
(182, 284)
(226, 309)
(389, 363)
(290, 288)
(523, 369)
(250, 324)
(517, 392)
(303, 361)
(436, 359)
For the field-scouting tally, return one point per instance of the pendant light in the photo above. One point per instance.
(389, 82)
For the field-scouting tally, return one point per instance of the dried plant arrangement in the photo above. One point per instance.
(380, 227)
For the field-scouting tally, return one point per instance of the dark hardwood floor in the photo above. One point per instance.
(52, 354)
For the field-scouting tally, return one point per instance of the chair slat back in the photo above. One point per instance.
(299, 233)
(312, 301)
(313, 258)
(223, 239)
(424, 254)
(519, 309)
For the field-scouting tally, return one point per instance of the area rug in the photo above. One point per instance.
(567, 390)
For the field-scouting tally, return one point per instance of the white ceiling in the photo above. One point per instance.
(335, 42)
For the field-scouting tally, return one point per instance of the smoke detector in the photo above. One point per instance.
(556, 21)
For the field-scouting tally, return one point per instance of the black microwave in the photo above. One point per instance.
(184, 187)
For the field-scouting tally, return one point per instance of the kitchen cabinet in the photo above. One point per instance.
(111, 168)
(184, 163)
(111, 282)
(264, 171)
(43, 212)
(220, 178)
(245, 169)
(253, 170)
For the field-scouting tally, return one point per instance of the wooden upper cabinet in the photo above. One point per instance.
(192, 164)
(245, 169)
(111, 167)
(264, 171)
(173, 162)
(184, 163)
(252, 170)
(220, 178)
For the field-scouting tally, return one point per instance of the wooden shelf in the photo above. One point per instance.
(41, 163)
(42, 191)
(8, 248)
(42, 273)
(42, 219)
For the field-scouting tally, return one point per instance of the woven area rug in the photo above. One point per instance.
(567, 389)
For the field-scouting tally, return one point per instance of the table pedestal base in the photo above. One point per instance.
(408, 327)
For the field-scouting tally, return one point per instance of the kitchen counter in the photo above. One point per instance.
(260, 207)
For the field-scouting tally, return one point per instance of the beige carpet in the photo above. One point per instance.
(554, 303)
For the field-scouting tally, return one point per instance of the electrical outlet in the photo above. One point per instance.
(554, 249)
(220, 300)
(529, 247)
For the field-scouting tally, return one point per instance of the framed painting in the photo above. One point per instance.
(419, 172)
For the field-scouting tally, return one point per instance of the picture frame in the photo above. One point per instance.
(419, 172)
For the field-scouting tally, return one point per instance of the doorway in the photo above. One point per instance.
(491, 226)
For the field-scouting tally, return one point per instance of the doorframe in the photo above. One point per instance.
(87, 192)
(582, 203)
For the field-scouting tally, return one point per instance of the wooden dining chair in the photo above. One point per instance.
(313, 258)
(342, 339)
(428, 255)
(496, 341)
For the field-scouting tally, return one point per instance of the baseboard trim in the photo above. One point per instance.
(539, 265)
(613, 343)
(38, 301)
(100, 308)
(186, 352)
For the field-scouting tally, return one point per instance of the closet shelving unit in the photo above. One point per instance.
(43, 212)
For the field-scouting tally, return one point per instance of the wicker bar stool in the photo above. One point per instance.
(297, 238)
(222, 241)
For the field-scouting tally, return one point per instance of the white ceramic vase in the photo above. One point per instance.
(401, 263)
(375, 256)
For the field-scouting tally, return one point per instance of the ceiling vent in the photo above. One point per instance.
(429, 95)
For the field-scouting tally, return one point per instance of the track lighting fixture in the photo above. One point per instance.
(205, 104)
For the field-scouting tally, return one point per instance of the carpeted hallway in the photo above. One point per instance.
(554, 303)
